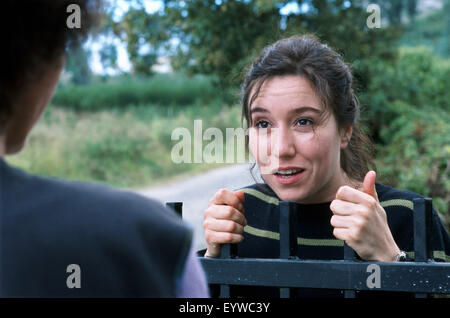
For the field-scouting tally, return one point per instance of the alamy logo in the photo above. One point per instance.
(374, 279)
(229, 148)
(74, 19)
(74, 279)
(373, 20)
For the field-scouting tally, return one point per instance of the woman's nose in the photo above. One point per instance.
(285, 147)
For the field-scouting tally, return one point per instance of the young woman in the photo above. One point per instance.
(300, 108)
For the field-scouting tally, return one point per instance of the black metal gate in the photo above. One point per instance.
(423, 276)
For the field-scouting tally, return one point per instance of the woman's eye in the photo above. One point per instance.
(304, 122)
(262, 124)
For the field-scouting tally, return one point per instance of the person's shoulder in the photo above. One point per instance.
(94, 196)
(399, 204)
(392, 197)
(77, 200)
(391, 192)
(115, 237)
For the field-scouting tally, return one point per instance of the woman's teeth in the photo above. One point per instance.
(287, 173)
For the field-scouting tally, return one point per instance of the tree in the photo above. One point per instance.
(219, 38)
(411, 9)
(397, 9)
(444, 45)
(145, 35)
(108, 56)
(222, 37)
(77, 64)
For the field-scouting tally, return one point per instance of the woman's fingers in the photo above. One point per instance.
(340, 233)
(338, 221)
(227, 197)
(218, 238)
(360, 221)
(215, 239)
(222, 224)
(224, 220)
(219, 225)
(225, 212)
(340, 207)
(348, 194)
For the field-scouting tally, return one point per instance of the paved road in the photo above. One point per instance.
(196, 192)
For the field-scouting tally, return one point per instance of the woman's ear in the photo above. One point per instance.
(346, 135)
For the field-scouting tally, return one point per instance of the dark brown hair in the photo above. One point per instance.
(332, 79)
(34, 33)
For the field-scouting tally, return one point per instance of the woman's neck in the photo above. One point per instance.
(352, 182)
(342, 179)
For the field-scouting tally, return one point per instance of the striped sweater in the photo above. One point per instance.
(315, 233)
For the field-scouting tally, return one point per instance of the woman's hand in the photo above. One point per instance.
(361, 222)
(224, 220)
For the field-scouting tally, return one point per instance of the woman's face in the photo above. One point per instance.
(296, 141)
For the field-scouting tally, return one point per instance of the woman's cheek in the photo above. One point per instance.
(260, 148)
(252, 143)
(265, 147)
(322, 151)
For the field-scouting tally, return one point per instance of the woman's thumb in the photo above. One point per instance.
(369, 184)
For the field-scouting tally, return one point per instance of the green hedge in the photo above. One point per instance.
(407, 110)
(418, 79)
(163, 89)
(417, 154)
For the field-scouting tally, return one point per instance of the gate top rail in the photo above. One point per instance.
(423, 276)
(411, 277)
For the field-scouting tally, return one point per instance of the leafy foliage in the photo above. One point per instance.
(417, 79)
(77, 66)
(145, 34)
(431, 30)
(408, 111)
(417, 156)
(221, 37)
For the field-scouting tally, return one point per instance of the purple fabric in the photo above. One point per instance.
(193, 282)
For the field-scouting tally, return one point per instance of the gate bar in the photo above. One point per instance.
(288, 237)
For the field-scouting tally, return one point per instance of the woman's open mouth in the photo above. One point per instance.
(288, 176)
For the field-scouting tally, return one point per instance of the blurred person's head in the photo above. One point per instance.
(300, 92)
(35, 38)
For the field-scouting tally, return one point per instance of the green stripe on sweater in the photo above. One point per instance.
(300, 240)
(272, 200)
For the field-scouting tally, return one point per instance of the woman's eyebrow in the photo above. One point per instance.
(258, 109)
(304, 109)
(297, 110)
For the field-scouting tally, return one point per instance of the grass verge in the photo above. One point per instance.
(125, 148)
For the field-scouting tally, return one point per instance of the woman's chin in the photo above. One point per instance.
(290, 195)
